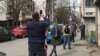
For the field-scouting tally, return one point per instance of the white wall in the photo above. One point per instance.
(98, 22)
(40, 5)
(90, 10)
(3, 11)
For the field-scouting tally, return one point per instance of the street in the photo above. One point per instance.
(21, 18)
(19, 47)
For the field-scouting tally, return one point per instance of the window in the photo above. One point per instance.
(89, 13)
(89, 3)
(3, 31)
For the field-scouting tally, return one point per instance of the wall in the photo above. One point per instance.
(90, 12)
(98, 25)
(40, 5)
(3, 11)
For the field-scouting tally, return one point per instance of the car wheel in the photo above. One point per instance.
(23, 36)
(12, 37)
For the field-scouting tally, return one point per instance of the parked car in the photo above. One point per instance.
(49, 36)
(19, 32)
(5, 34)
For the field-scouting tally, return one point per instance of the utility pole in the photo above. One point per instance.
(74, 2)
(70, 18)
(52, 10)
(74, 6)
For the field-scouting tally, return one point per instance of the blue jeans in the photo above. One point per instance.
(67, 39)
(53, 50)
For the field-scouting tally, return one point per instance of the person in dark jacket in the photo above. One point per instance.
(73, 31)
(56, 34)
(82, 28)
(36, 30)
(47, 19)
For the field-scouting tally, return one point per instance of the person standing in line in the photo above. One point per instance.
(36, 30)
(44, 18)
(73, 30)
(67, 36)
(56, 34)
(82, 28)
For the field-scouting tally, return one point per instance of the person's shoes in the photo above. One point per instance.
(81, 39)
(55, 55)
(73, 41)
(50, 55)
(69, 48)
(64, 48)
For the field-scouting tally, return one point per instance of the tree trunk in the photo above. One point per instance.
(15, 19)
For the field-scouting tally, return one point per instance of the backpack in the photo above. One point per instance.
(67, 30)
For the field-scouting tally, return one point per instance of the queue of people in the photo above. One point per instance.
(37, 30)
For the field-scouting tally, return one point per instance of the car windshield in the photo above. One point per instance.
(3, 30)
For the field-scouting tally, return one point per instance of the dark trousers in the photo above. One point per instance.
(36, 49)
(53, 51)
(67, 39)
(73, 37)
(82, 35)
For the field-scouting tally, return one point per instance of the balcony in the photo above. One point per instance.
(90, 12)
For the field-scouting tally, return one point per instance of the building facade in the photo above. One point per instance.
(25, 13)
(88, 15)
(97, 3)
(3, 11)
(98, 26)
(40, 5)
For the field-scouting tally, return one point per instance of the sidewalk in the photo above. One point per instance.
(85, 46)
(79, 48)
(95, 51)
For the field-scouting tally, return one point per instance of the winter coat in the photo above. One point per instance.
(56, 40)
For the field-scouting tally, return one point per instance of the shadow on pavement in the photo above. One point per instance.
(2, 54)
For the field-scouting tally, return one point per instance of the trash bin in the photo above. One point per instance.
(92, 37)
(2, 54)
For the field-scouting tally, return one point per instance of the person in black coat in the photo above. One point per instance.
(56, 34)
(82, 28)
(36, 30)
